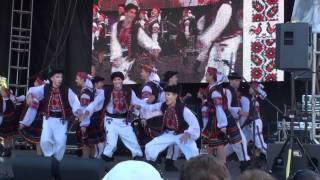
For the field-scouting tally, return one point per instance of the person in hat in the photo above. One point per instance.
(59, 103)
(214, 110)
(8, 123)
(116, 101)
(127, 36)
(237, 140)
(90, 135)
(32, 132)
(179, 127)
(251, 101)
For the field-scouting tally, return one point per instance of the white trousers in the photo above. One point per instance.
(241, 149)
(160, 143)
(53, 137)
(115, 127)
(258, 139)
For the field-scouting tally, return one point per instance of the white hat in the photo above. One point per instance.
(133, 170)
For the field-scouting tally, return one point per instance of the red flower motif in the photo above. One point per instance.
(271, 77)
(269, 42)
(256, 73)
(270, 67)
(258, 18)
(256, 47)
(258, 6)
(271, 2)
(256, 60)
(271, 53)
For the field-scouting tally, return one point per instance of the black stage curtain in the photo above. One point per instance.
(72, 36)
(70, 40)
(5, 15)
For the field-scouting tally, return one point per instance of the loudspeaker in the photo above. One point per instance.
(40, 168)
(293, 49)
(298, 161)
(82, 169)
(33, 167)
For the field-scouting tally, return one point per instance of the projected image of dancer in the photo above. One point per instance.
(219, 37)
(127, 37)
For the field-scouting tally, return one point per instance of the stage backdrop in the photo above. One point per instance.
(231, 35)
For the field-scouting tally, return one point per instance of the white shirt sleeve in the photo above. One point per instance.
(221, 115)
(151, 107)
(73, 101)
(135, 100)
(245, 104)
(146, 42)
(97, 103)
(36, 92)
(115, 47)
(29, 117)
(194, 128)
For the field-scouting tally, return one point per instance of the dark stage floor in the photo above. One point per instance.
(6, 168)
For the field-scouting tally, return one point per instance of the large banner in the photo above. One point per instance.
(186, 36)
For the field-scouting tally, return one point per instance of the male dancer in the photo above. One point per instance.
(180, 127)
(59, 102)
(116, 102)
(127, 36)
(256, 92)
(237, 140)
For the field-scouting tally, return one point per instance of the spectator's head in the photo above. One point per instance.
(305, 174)
(133, 170)
(256, 175)
(204, 167)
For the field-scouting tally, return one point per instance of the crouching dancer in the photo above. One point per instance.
(180, 127)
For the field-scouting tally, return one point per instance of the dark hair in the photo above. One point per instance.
(256, 174)
(204, 167)
(131, 6)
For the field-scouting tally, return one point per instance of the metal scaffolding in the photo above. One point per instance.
(20, 45)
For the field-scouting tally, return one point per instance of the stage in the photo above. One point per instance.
(6, 165)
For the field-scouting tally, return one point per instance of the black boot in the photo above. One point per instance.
(106, 158)
(244, 165)
(55, 168)
(169, 165)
